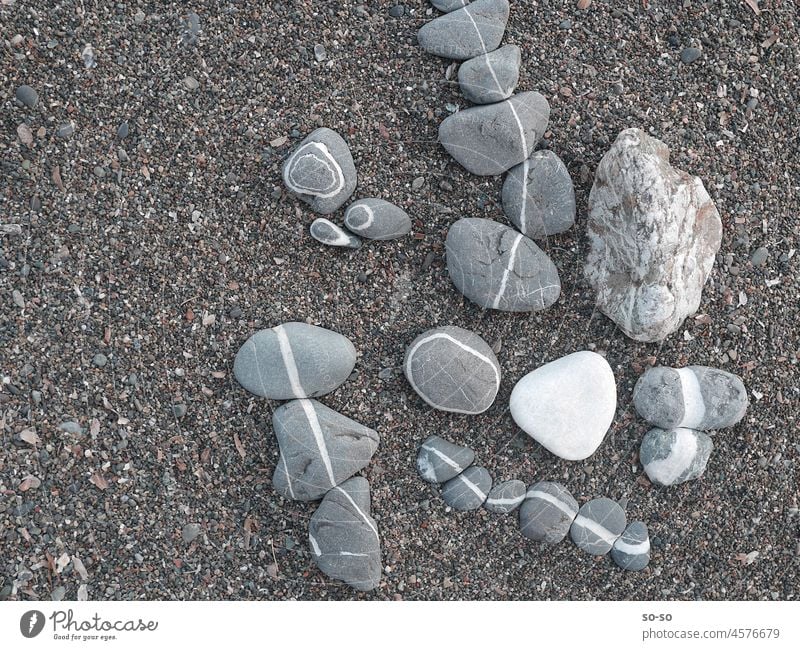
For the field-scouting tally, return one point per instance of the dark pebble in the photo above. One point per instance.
(123, 130)
(397, 11)
(690, 55)
(179, 410)
(28, 96)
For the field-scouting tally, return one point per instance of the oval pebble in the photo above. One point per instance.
(377, 219)
(631, 551)
(505, 497)
(327, 232)
(475, 29)
(674, 456)
(598, 525)
(27, 95)
(439, 460)
(547, 512)
(468, 490)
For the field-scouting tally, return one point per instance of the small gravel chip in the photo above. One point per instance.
(397, 11)
(179, 410)
(598, 525)
(65, 130)
(99, 172)
(19, 301)
(505, 497)
(58, 593)
(439, 461)
(27, 96)
(319, 53)
(71, 427)
(417, 183)
(631, 551)
(690, 55)
(190, 533)
(468, 490)
(327, 232)
(123, 130)
(547, 512)
(99, 360)
(191, 83)
(760, 256)
(675, 455)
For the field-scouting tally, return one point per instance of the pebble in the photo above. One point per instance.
(505, 497)
(690, 54)
(449, 5)
(179, 410)
(99, 360)
(468, 490)
(58, 593)
(453, 370)
(417, 183)
(122, 130)
(71, 427)
(498, 268)
(491, 77)
(17, 297)
(191, 83)
(27, 96)
(190, 533)
(294, 360)
(319, 53)
(598, 525)
(328, 233)
(467, 32)
(397, 11)
(191, 24)
(319, 448)
(65, 130)
(344, 537)
(760, 256)
(567, 405)
(547, 512)
(377, 219)
(439, 461)
(631, 551)
(674, 456)
(695, 397)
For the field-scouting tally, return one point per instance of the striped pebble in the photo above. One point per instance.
(464, 33)
(695, 397)
(453, 369)
(598, 525)
(547, 512)
(439, 460)
(632, 550)
(505, 497)
(328, 233)
(491, 77)
(449, 5)
(674, 456)
(468, 490)
(377, 219)
(294, 360)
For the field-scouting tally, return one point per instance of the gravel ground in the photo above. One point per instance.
(144, 262)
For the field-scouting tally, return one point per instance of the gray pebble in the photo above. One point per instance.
(598, 525)
(505, 497)
(377, 219)
(468, 490)
(191, 83)
(123, 130)
(417, 183)
(179, 410)
(759, 256)
(439, 461)
(28, 96)
(190, 533)
(631, 551)
(490, 77)
(690, 55)
(71, 427)
(674, 456)
(191, 25)
(547, 512)
(99, 360)
(467, 32)
(449, 5)
(18, 298)
(319, 53)
(65, 130)
(328, 233)
(58, 593)
(397, 11)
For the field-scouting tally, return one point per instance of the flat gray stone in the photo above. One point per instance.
(695, 397)
(190, 533)
(327, 232)
(547, 512)
(344, 537)
(319, 448)
(468, 490)
(505, 497)
(453, 369)
(491, 139)
(538, 196)
(598, 525)
(27, 96)
(294, 360)
(498, 268)
(449, 5)
(674, 456)
(491, 77)
(631, 551)
(439, 460)
(320, 171)
(377, 219)
(467, 32)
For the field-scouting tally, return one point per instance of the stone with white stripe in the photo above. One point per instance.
(319, 448)
(377, 219)
(695, 397)
(631, 551)
(505, 497)
(538, 196)
(567, 405)
(491, 77)
(547, 512)
(294, 360)
(344, 537)
(491, 139)
(320, 171)
(449, 5)
(468, 490)
(498, 268)
(327, 232)
(467, 32)
(598, 525)
(673, 456)
(453, 369)
(439, 460)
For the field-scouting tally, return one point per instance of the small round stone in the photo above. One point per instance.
(439, 460)
(397, 11)
(328, 233)
(468, 490)
(377, 219)
(505, 497)
(547, 512)
(64, 131)
(123, 130)
(598, 525)
(99, 360)
(674, 456)
(631, 551)
(690, 55)
(28, 96)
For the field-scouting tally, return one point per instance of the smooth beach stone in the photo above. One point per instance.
(344, 537)
(467, 32)
(294, 360)
(491, 77)
(320, 171)
(631, 551)
(468, 490)
(491, 139)
(27, 96)
(439, 460)
(674, 456)
(505, 497)
(453, 369)
(498, 268)
(567, 405)
(538, 196)
(377, 219)
(653, 234)
(319, 448)
(598, 525)
(449, 5)
(329, 233)
(695, 397)
(547, 512)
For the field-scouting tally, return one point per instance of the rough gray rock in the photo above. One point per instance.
(467, 32)
(489, 140)
(598, 525)
(491, 77)
(449, 5)
(344, 537)
(319, 448)
(439, 460)
(505, 497)
(695, 397)
(653, 233)
(468, 490)
(547, 512)
(453, 369)
(294, 360)
(674, 456)
(327, 232)
(27, 96)
(538, 196)
(498, 268)
(631, 551)
(320, 171)
(377, 219)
